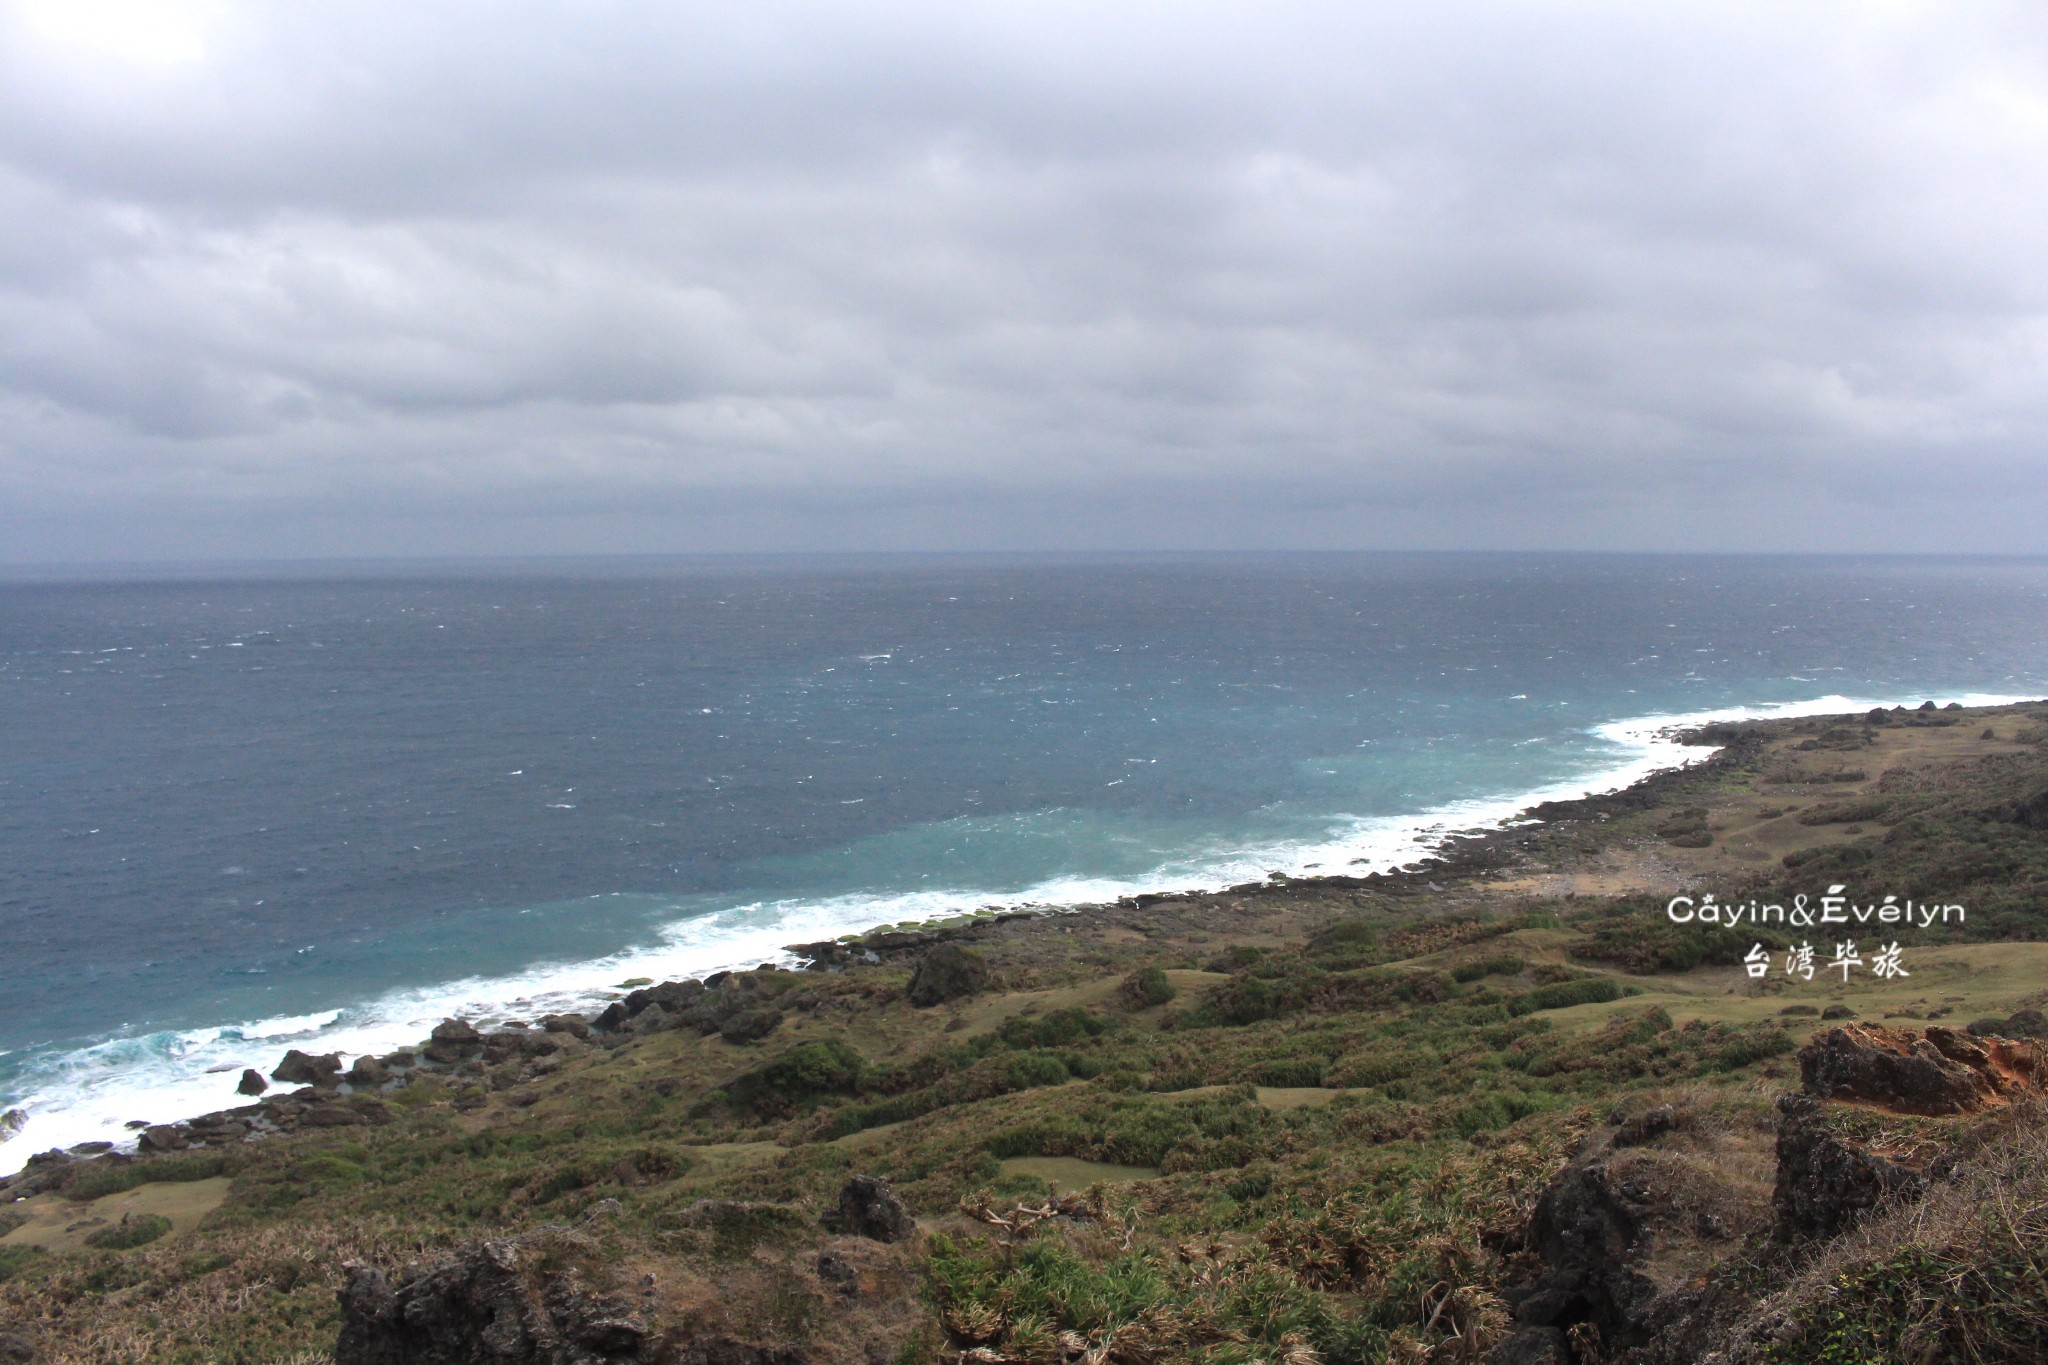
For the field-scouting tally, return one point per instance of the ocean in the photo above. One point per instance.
(323, 807)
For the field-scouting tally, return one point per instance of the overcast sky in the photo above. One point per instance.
(369, 278)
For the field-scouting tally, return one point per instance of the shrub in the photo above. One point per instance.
(330, 1168)
(14, 1260)
(1058, 1028)
(800, 1077)
(1294, 1071)
(1501, 964)
(1591, 990)
(133, 1230)
(1145, 988)
(99, 1179)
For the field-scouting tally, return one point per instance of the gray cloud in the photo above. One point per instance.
(582, 276)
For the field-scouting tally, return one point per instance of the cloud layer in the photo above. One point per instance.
(582, 276)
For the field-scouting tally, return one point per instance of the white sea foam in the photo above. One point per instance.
(91, 1094)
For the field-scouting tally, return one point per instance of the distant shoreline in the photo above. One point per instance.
(1455, 841)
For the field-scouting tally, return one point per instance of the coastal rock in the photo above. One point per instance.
(456, 1031)
(332, 1116)
(672, 996)
(252, 1082)
(43, 1171)
(164, 1137)
(869, 1208)
(12, 1122)
(453, 1041)
(947, 972)
(575, 1025)
(651, 1019)
(301, 1068)
(367, 1072)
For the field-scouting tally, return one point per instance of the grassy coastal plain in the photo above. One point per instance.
(1495, 1107)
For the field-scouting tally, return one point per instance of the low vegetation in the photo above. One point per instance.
(1321, 1113)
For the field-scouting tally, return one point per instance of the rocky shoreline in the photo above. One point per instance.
(746, 1007)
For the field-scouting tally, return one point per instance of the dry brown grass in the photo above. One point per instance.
(1955, 1276)
(259, 1296)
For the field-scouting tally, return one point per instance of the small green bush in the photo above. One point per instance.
(99, 1179)
(1592, 990)
(1501, 964)
(1145, 988)
(1294, 1072)
(14, 1260)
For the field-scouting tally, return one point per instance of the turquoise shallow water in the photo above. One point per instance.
(240, 812)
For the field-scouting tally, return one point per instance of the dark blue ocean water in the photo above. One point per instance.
(238, 798)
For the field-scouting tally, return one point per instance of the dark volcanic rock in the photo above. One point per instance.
(1826, 1182)
(164, 1138)
(651, 1019)
(834, 1271)
(575, 1025)
(869, 1208)
(452, 1041)
(492, 1305)
(947, 972)
(332, 1116)
(43, 1171)
(1531, 1346)
(301, 1068)
(2027, 1024)
(2031, 813)
(252, 1082)
(456, 1031)
(367, 1072)
(1589, 1236)
(747, 1026)
(672, 996)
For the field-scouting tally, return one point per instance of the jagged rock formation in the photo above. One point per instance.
(742, 1007)
(869, 1208)
(491, 1305)
(1622, 1235)
(1944, 1072)
(1826, 1182)
(511, 1302)
(300, 1068)
(1628, 1237)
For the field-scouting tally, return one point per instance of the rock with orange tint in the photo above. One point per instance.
(1944, 1072)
